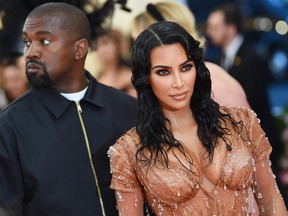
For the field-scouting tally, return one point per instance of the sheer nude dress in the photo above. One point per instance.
(245, 186)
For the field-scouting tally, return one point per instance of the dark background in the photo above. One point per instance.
(271, 45)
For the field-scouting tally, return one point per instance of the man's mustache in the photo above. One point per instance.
(33, 61)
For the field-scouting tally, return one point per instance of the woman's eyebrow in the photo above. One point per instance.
(160, 66)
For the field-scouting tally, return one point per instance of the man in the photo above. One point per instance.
(224, 29)
(54, 139)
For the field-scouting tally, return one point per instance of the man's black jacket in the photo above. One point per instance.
(44, 164)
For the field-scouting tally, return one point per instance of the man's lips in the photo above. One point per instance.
(33, 67)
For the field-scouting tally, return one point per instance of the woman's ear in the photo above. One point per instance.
(147, 82)
(81, 48)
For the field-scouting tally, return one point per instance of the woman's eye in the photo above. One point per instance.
(162, 72)
(187, 67)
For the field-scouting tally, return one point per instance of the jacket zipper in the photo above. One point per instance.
(90, 155)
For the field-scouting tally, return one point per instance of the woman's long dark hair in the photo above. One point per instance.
(152, 124)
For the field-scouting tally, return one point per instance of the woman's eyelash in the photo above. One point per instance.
(162, 72)
(189, 66)
(166, 71)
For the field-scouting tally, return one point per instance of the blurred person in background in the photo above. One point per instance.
(115, 70)
(239, 58)
(3, 98)
(14, 81)
(225, 89)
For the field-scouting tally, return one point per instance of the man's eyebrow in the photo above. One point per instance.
(39, 33)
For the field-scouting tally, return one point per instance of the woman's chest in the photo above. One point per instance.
(183, 178)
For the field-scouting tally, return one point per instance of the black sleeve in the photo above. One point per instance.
(11, 180)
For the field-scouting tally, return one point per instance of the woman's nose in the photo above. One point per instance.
(178, 82)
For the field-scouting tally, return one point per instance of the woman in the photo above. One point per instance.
(14, 82)
(225, 89)
(187, 155)
(115, 70)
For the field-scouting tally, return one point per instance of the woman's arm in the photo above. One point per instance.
(128, 189)
(267, 193)
(130, 203)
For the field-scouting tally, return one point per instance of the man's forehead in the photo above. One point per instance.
(44, 23)
(45, 20)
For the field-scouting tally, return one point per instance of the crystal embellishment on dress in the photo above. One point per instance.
(228, 147)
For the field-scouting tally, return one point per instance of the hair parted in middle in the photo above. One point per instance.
(152, 124)
(167, 33)
(168, 11)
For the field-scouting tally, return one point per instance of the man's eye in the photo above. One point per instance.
(45, 42)
(27, 43)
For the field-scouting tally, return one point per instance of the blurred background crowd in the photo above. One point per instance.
(264, 23)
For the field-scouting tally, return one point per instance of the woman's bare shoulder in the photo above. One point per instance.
(226, 90)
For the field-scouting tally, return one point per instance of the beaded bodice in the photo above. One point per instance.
(178, 191)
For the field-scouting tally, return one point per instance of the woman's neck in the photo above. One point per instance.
(181, 120)
(110, 68)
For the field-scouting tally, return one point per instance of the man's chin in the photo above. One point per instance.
(39, 84)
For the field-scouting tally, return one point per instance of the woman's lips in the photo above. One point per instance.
(180, 96)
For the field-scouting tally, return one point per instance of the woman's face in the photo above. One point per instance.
(107, 50)
(14, 81)
(172, 77)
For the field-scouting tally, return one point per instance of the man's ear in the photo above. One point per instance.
(81, 48)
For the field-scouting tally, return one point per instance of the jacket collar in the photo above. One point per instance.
(57, 104)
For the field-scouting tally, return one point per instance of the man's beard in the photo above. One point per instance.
(42, 81)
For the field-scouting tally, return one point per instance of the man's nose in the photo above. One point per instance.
(33, 51)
